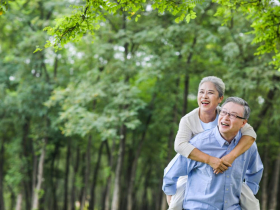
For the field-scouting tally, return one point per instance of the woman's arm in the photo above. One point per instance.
(183, 147)
(246, 141)
(184, 135)
(216, 163)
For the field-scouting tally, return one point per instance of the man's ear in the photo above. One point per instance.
(243, 123)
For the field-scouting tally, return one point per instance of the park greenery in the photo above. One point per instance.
(88, 121)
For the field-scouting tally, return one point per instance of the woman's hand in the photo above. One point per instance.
(219, 165)
(168, 198)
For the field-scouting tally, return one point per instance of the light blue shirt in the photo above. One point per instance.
(210, 125)
(206, 190)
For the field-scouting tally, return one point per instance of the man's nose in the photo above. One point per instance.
(205, 95)
(227, 116)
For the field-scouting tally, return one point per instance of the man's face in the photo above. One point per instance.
(229, 126)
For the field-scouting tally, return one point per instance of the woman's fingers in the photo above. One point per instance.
(219, 165)
(225, 162)
(217, 171)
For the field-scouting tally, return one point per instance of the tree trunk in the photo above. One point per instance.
(35, 204)
(93, 186)
(145, 204)
(55, 66)
(186, 93)
(171, 140)
(2, 204)
(187, 78)
(117, 182)
(42, 200)
(275, 178)
(134, 165)
(264, 180)
(108, 185)
(86, 175)
(73, 191)
(34, 175)
(159, 196)
(174, 121)
(67, 174)
(52, 181)
(107, 194)
(19, 201)
(27, 150)
(13, 199)
(163, 202)
(117, 185)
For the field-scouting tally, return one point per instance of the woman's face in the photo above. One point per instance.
(208, 97)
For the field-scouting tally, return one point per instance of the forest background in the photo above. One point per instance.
(92, 125)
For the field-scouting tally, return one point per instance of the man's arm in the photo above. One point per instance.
(179, 166)
(254, 171)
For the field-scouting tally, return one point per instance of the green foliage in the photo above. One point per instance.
(265, 22)
(87, 18)
(3, 7)
(132, 75)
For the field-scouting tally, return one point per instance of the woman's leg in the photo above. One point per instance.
(177, 199)
(247, 199)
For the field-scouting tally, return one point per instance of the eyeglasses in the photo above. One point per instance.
(231, 115)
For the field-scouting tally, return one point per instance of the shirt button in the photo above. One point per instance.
(227, 189)
(227, 176)
(225, 201)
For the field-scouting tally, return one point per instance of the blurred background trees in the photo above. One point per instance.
(92, 126)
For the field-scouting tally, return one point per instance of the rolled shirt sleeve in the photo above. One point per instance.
(248, 130)
(179, 166)
(254, 171)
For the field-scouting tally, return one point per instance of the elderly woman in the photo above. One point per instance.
(210, 95)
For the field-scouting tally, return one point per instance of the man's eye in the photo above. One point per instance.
(233, 115)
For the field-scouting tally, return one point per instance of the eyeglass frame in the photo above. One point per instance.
(231, 116)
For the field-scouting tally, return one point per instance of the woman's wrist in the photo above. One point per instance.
(208, 159)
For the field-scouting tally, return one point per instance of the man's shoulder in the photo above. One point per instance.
(253, 148)
(202, 137)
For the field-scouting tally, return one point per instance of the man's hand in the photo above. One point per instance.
(218, 165)
(168, 198)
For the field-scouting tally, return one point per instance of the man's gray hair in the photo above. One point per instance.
(219, 84)
(242, 102)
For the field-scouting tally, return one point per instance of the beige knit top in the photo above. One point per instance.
(190, 126)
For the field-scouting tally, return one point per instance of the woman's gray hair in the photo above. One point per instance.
(219, 84)
(242, 102)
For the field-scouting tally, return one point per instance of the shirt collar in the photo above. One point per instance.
(222, 141)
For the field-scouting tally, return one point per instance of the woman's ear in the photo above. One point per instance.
(221, 99)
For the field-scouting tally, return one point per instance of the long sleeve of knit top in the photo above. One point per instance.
(190, 126)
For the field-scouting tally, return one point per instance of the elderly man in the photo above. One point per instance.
(204, 189)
